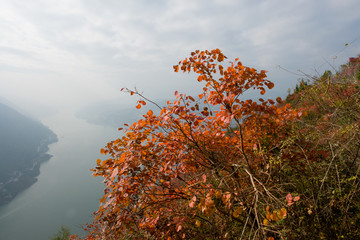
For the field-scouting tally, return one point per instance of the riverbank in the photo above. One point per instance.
(23, 178)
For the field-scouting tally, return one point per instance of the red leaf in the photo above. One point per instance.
(289, 198)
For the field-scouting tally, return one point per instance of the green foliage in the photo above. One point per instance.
(326, 145)
(62, 234)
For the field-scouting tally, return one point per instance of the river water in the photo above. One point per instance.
(66, 193)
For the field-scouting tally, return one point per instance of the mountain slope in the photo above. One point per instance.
(23, 146)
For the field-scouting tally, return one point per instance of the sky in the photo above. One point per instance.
(73, 53)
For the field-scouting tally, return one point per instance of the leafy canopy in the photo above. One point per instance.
(197, 162)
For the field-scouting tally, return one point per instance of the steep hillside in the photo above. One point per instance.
(327, 139)
(23, 146)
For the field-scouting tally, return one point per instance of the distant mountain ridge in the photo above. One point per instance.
(23, 147)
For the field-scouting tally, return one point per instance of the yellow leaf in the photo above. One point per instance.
(265, 221)
(218, 194)
(283, 212)
(237, 212)
(197, 223)
(274, 217)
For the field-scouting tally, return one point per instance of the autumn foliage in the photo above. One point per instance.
(213, 166)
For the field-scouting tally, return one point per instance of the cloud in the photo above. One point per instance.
(89, 49)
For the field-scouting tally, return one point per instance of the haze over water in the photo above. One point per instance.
(66, 193)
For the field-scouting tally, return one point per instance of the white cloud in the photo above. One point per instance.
(80, 51)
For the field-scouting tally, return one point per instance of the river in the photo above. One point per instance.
(66, 193)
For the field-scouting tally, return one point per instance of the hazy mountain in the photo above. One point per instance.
(114, 115)
(23, 146)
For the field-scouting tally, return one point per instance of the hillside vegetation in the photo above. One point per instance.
(237, 169)
(23, 146)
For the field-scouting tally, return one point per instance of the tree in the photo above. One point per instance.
(203, 167)
(62, 234)
(215, 166)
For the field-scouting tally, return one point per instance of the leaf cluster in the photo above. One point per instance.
(216, 166)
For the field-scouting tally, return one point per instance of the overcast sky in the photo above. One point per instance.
(71, 53)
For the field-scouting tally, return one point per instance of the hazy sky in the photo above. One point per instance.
(71, 53)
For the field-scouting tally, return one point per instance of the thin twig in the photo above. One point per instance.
(327, 171)
(141, 95)
(256, 199)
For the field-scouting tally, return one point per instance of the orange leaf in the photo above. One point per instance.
(122, 157)
(270, 85)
